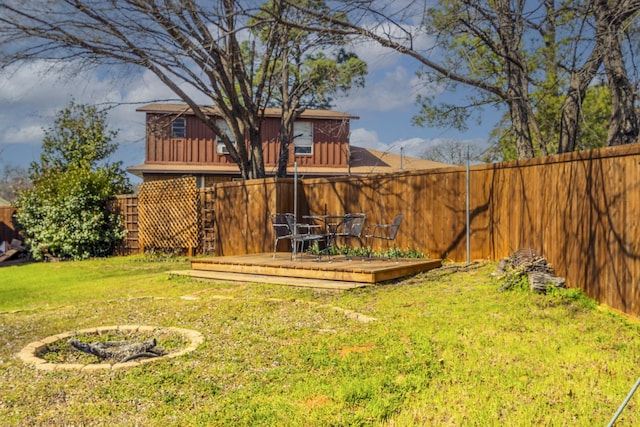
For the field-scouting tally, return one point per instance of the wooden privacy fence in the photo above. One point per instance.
(228, 218)
(579, 210)
(7, 226)
(127, 206)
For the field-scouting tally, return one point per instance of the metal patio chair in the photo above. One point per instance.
(352, 227)
(281, 229)
(386, 232)
(285, 227)
(302, 234)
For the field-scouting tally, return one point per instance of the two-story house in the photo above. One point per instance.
(179, 144)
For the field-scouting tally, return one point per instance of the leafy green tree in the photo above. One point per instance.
(595, 114)
(65, 212)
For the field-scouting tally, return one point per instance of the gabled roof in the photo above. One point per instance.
(268, 112)
(364, 161)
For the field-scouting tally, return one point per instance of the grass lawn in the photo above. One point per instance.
(445, 349)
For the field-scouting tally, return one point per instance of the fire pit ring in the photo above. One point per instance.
(31, 353)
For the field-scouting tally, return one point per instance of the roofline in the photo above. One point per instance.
(162, 169)
(269, 112)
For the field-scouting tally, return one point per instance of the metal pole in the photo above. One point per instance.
(295, 206)
(626, 400)
(468, 197)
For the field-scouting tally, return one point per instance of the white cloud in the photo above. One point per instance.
(365, 138)
(25, 134)
(391, 89)
(412, 147)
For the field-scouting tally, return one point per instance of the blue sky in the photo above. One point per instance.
(31, 96)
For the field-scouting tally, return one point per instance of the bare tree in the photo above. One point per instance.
(452, 152)
(509, 52)
(503, 35)
(612, 20)
(611, 16)
(13, 179)
(192, 47)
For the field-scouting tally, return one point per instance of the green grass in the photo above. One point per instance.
(42, 285)
(446, 349)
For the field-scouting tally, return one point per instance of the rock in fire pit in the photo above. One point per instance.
(120, 351)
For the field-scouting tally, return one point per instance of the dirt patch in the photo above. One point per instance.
(345, 351)
(319, 401)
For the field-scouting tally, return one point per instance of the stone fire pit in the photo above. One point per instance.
(33, 353)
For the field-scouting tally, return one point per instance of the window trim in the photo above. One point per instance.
(306, 149)
(220, 147)
(179, 131)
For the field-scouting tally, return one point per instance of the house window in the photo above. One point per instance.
(220, 147)
(178, 128)
(303, 138)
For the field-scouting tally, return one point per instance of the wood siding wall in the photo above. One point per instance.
(330, 146)
(7, 227)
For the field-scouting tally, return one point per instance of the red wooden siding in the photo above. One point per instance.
(330, 147)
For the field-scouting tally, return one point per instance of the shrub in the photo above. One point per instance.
(65, 212)
(66, 215)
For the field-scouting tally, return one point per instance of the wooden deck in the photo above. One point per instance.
(337, 272)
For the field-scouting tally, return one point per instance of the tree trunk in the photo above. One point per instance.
(283, 158)
(256, 158)
(510, 29)
(520, 123)
(623, 127)
(519, 110)
(286, 124)
(572, 106)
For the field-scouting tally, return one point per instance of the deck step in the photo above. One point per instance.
(277, 280)
(336, 272)
(336, 268)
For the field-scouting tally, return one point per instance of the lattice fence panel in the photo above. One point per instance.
(169, 214)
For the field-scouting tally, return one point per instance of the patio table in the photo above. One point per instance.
(331, 224)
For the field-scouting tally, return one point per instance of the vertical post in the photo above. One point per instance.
(468, 203)
(295, 207)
